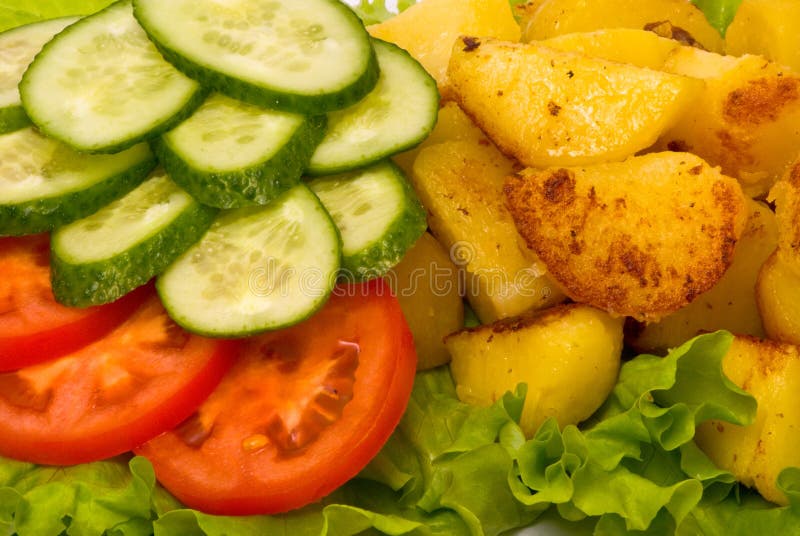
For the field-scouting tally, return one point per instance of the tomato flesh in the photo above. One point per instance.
(144, 377)
(33, 326)
(301, 412)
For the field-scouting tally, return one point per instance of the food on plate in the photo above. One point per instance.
(428, 286)
(460, 183)
(568, 356)
(758, 452)
(778, 289)
(300, 413)
(141, 379)
(33, 326)
(745, 121)
(411, 30)
(551, 108)
(542, 19)
(766, 28)
(624, 45)
(730, 304)
(638, 238)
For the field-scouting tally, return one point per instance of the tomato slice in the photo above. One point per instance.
(33, 326)
(302, 411)
(145, 377)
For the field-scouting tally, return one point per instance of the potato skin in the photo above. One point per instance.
(756, 453)
(568, 355)
(640, 238)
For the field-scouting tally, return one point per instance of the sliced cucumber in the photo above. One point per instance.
(101, 85)
(304, 56)
(256, 269)
(104, 256)
(233, 154)
(378, 216)
(44, 184)
(19, 46)
(397, 115)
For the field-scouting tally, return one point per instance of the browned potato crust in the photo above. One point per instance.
(640, 238)
(786, 195)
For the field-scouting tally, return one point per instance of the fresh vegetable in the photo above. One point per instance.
(33, 326)
(141, 379)
(231, 154)
(377, 214)
(309, 56)
(101, 86)
(256, 269)
(44, 184)
(19, 46)
(379, 125)
(123, 245)
(301, 412)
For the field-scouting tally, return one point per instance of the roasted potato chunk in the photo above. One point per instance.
(426, 284)
(461, 185)
(623, 45)
(768, 28)
(639, 238)
(548, 18)
(747, 120)
(756, 453)
(552, 108)
(411, 29)
(730, 304)
(568, 355)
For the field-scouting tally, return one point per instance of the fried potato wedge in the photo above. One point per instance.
(552, 108)
(747, 120)
(568, 355)
(623, 45)
(730, 304)
(768, 28)
(639, 238)
(461, 185)
(757, 453)
(547, 18)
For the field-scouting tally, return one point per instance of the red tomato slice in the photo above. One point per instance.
(33, 326)
(143, 378)
(302, 411)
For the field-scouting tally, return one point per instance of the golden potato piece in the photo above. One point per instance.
(641, 238)
(548, 18)
(461, 185)
(768, 28)
(729, 305)
(756, 453)
(624, 45)
(426, 284)
(553, 108)
(427, 30)
(568, 355)
(747, 120)
(786, 196)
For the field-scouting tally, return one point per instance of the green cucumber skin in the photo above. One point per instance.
(41, 215)
(385, 253)
(188, 108)
(267, 97)
(257, 185)
(378, 155)
(13, 118)
(84, 285)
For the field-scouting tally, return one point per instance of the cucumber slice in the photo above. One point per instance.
(303, 56)
(104, 256)
(101, 85)
(398, 114)
(256, 269)
(44, 184)
(378, 216)
(20, 45)
(232, 154)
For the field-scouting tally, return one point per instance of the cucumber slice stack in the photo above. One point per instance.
(237, 101)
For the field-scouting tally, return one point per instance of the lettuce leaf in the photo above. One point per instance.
(719, 13)
(17, 12)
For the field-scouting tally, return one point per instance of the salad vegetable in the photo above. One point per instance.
(450, 468)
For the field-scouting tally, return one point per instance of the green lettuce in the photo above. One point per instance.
(17, 12)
